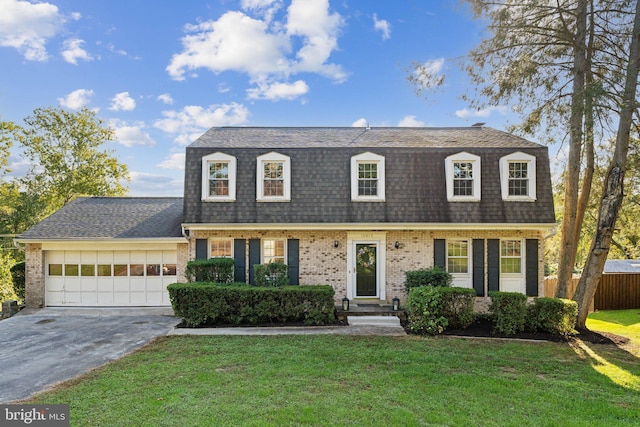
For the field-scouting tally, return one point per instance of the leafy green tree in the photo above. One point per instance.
(66, 150)
(5, 144)
(6, 283)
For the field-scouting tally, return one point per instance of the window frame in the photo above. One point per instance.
(232, 169)
(518, 157)
(476, 167)
(273, 157)
(468, 257)
(221, 239)
(522, 258)
(368, 158)
(262, 250)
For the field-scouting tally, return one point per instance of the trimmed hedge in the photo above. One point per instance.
(553, 315)
(274, 274)
(435, 276)
(508, 312)
(219, 270)
(431, 310)
(240, 304)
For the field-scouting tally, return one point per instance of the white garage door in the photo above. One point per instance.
(109, 278)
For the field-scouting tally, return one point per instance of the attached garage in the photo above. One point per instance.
(109, 278)
(106, 252)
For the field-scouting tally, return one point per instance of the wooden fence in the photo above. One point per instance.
(615, 291)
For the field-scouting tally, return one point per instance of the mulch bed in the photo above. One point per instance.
(482, 328)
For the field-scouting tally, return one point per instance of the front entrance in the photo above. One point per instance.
(366, 262)
(366, 270)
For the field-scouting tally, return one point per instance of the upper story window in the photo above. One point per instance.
(273, 178)
(218, 178)
(518, 177)
(367, 177)
(463, 177)
(458, 256)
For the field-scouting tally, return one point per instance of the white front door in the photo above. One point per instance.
(366, 265)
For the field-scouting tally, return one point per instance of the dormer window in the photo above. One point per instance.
(273, 178)
(367, 178)
(463, 177)
(218, 178)
(518, 177)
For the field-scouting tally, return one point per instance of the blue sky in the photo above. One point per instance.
(163, 72)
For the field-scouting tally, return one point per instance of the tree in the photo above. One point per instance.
(562, 63)
(65, 149)
(5, 144)
(613, 189)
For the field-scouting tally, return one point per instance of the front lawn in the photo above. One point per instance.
(347, 380)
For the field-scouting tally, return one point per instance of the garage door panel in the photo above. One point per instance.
(89, 285)
(105, 298)
(122, 298)
(55, 284)
(55, 298)
(89, 298)
(138, 298)
(154, 298)
(72, 284)
(155, 285)
(105, 285)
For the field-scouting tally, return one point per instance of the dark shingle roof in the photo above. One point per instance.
(316, 137)
(112, 218)
(320, 177)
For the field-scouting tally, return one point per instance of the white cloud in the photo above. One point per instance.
(131, 135)
(18, 166)
(76, 99)
(122, 102)
(193, 120)
(360, 123)
(173, 161)
(148, 184)
(262, 49)
(410, 122)
(72, 51)
(383, 26)
(277, 91)
(165, 98)
(76, 16)
(485, 112)
(27, 26)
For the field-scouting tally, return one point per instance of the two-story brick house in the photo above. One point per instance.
(351, 207)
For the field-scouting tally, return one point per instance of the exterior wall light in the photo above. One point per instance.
(345, 304)
(336, 243)
(395, 303)
(397, 245)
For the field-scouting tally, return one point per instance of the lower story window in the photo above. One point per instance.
(510, 256)
(221, 248)
(458, 256)
(273, 250)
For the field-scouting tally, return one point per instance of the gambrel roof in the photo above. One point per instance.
(320, 176)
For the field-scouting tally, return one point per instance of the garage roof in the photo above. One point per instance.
(111, 218)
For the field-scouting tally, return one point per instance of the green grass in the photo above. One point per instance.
(343, 380)
(619, 322)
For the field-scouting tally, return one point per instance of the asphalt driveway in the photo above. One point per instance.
(43, 347)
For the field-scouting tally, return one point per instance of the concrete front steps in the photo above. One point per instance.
(370, 313)
(379, 321)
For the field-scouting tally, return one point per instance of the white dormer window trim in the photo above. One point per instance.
(370, 162)
(516, 161)
(472, 171)
(281, 171)
(231, 166)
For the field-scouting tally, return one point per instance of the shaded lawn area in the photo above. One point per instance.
(353, 380)
(619, 322)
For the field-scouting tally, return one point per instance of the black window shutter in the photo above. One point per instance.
(478, 266)
(532, 267)
(254, 258)
(202, 250)
(293, 258)
(439, 252)
(493, 264)
(239, 253)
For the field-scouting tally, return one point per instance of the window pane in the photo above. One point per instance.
(87, 270)
(168, 269)
(120, 270)
(219, 179)
(273, 250)
(510, 256)
(273, 180)
(153, 269)
(367, 179)
(462, 170)
(221, 248)
(273, 188)
(71, 269)
(510, 265)
(104, 269)
(458, 256)
(518, 179)
(458, 265)
(137, 269)
(55, 269)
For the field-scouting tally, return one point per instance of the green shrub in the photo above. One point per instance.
(17, 275)
(274, 274)
(435, 276)
(424, 306)
(508, 312)
(239, 304)
(552, 315)
(457, 306)
(218, 270)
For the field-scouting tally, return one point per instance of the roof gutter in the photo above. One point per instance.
(547, 227)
